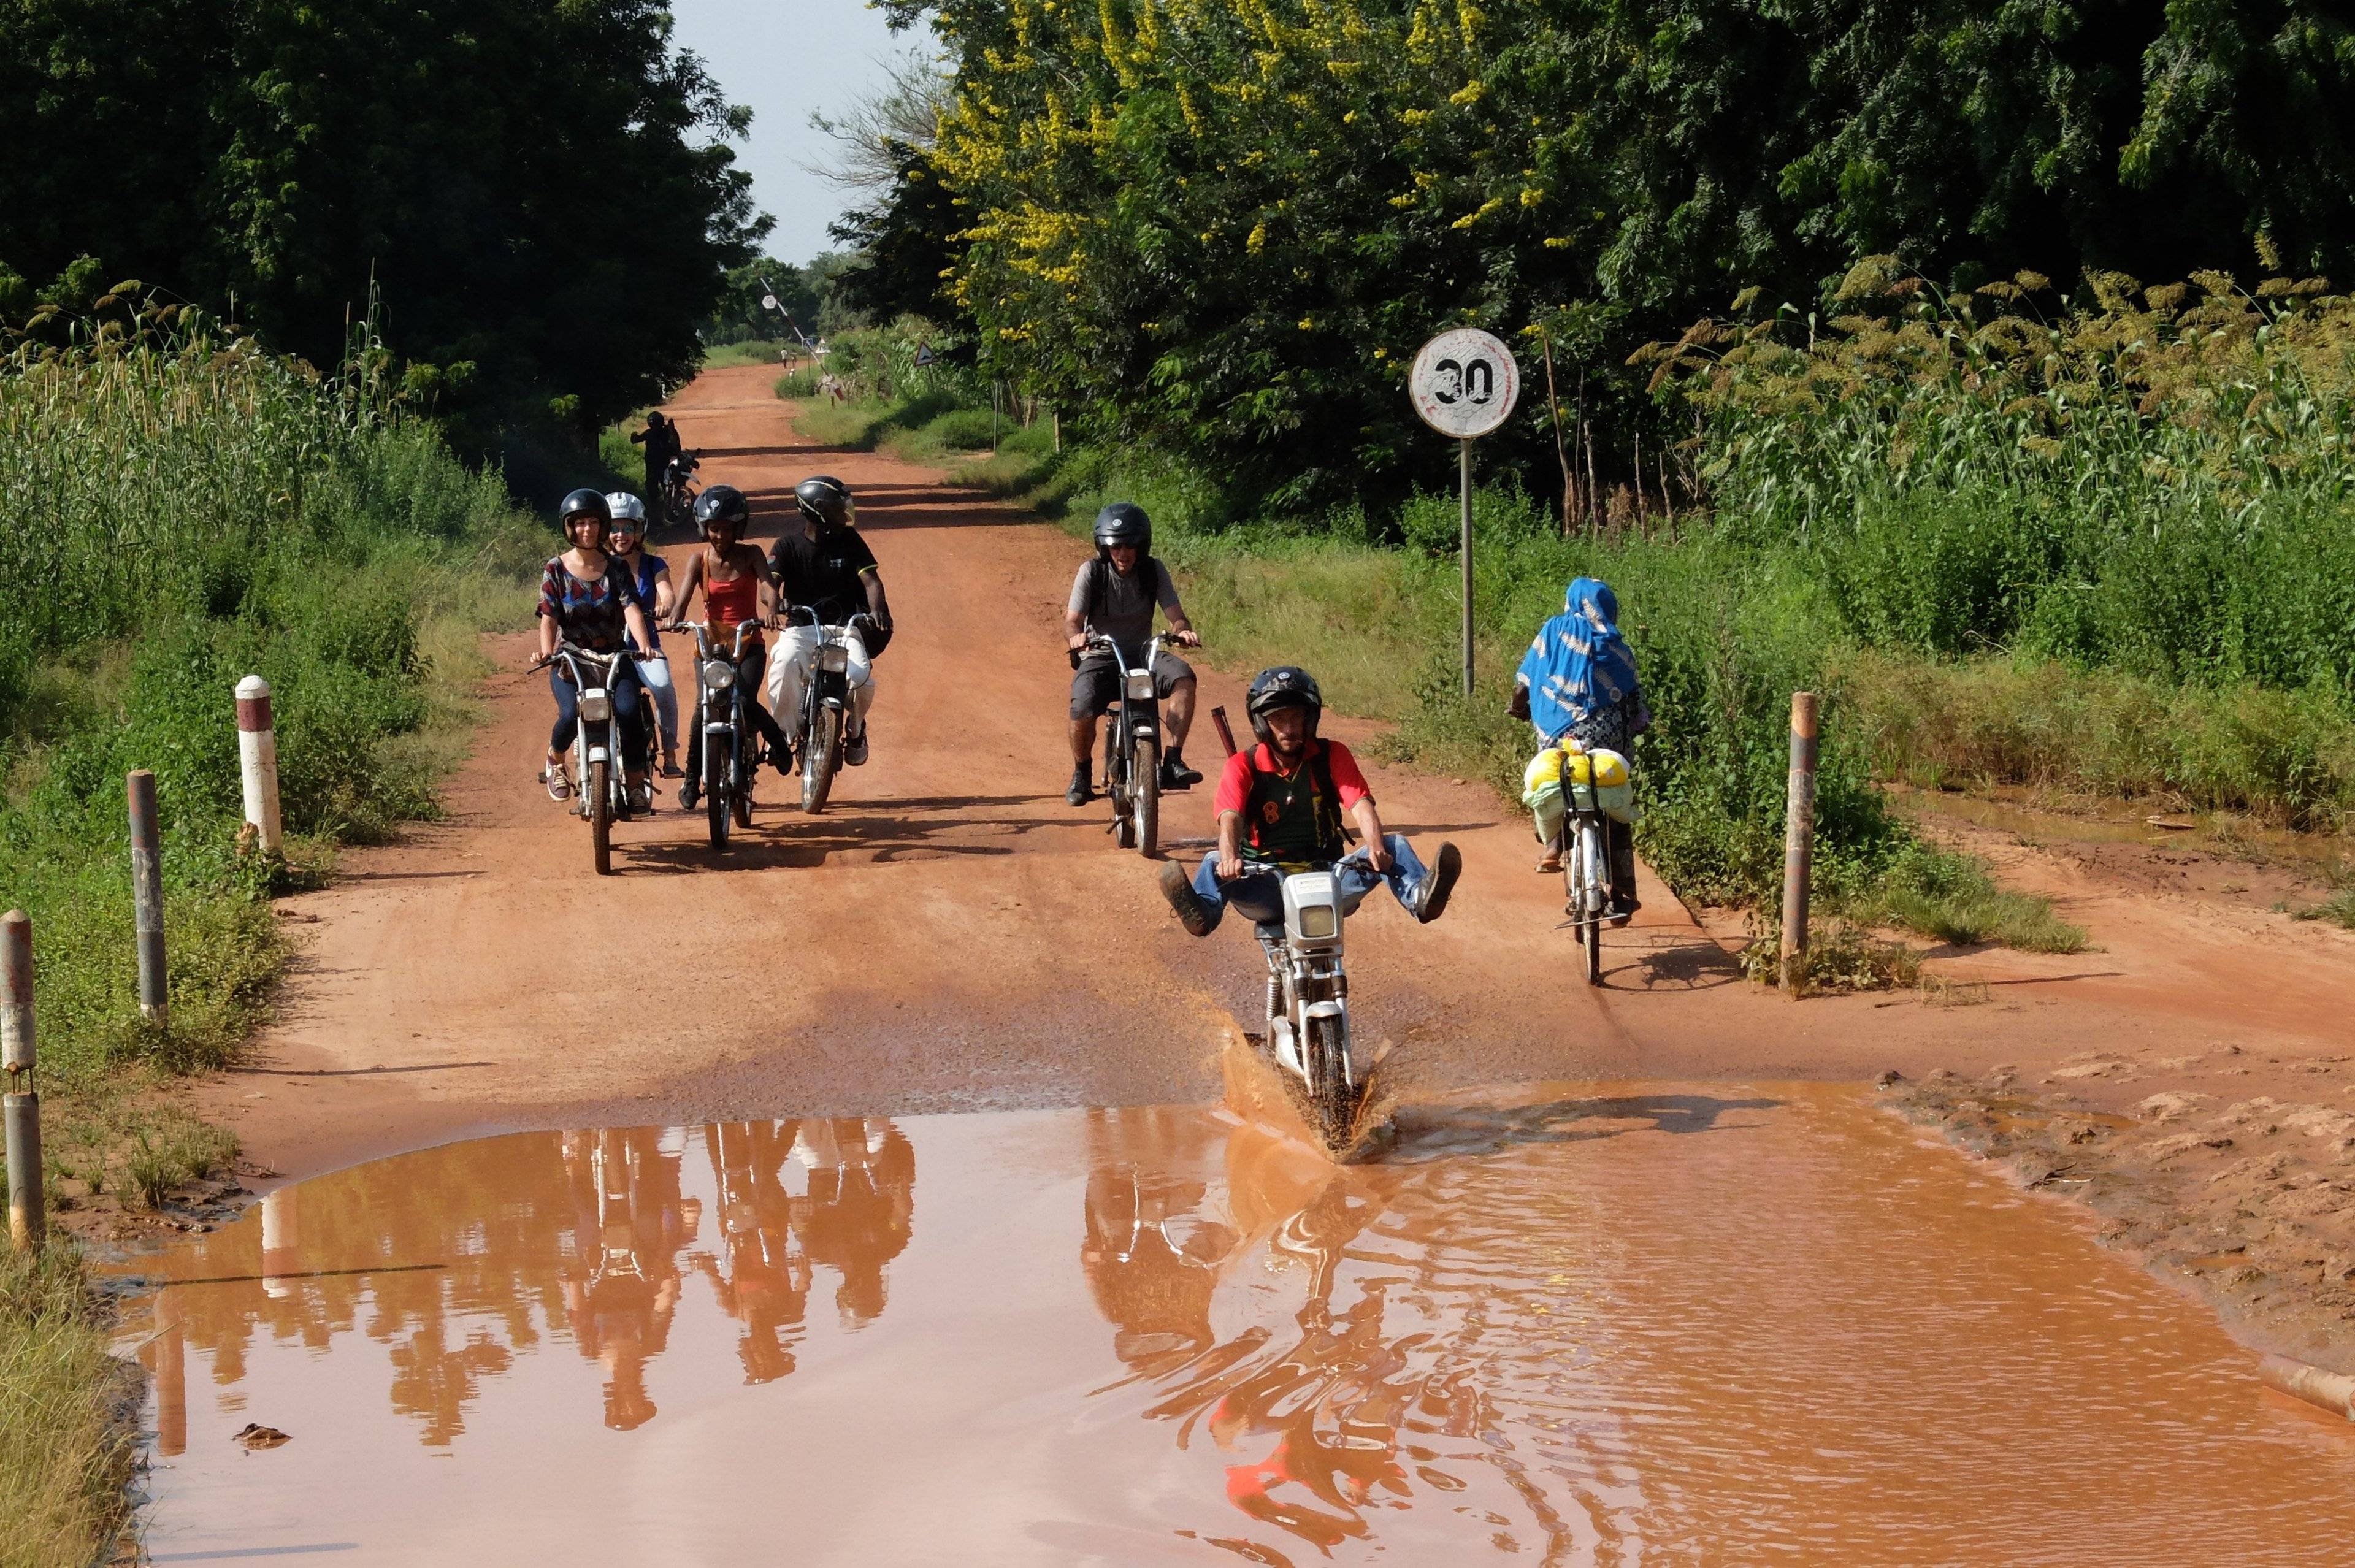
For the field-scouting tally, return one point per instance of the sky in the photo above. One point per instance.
(781, 59)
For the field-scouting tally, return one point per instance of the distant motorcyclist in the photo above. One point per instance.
(829, 570)
(1115, 594)
(737, 591)
(1280, 807)
(1577, 683)
(626, 542)
(660, 440)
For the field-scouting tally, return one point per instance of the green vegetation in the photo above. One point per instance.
(544, 239)
(66, 1451)
(1222, 228)
(206, 510)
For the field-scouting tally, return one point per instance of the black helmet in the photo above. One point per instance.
(722, 504)
(1286, 686)
(825, 501)
(1123, 522)
(585, 500)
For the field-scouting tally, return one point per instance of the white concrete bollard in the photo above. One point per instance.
(257, 755)
(281, 1244)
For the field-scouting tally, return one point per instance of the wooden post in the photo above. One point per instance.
(257, 755)
(1560, 451)
(147, 900)
(27, 1221)
(1798, 838)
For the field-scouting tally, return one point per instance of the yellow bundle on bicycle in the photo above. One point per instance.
(1598, 780)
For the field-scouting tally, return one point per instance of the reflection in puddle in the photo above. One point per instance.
(1597, 1327)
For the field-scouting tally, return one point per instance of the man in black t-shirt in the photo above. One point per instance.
(828, 568)
(660, 438)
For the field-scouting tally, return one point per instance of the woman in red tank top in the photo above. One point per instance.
(737, 591)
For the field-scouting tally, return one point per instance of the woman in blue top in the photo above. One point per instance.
(627, 543)
(1577, 682)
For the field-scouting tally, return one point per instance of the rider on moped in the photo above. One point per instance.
(627, 543)
(1280, 809)
(1577, 685)
(829, 570)
(590, 599)
(1114, 595)
(737, 591)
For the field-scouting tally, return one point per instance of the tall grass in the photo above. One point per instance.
(66, 1450)
(206, 511)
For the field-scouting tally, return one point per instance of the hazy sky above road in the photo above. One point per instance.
(782, 58)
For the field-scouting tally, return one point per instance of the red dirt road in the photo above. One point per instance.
(951, 935)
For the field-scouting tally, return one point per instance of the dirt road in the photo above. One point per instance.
(951, 935)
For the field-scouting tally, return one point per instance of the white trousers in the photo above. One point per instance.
(789, 669)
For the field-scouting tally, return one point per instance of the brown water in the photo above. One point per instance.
(1651, 1324)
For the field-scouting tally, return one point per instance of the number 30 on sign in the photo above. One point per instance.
(1465, 383)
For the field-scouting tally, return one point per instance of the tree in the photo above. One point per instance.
(561, 232)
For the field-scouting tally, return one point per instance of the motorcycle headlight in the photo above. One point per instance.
(596, 705)
(1319, 921)
(718, 675)
(1140, 686)
(834, 659)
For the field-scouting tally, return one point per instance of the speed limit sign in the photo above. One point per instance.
(1465, 383)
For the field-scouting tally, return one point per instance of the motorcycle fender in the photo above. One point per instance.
(719, 728)
(1146, 732)
(599, 754)
(1287, 1053)
(1325, 1010)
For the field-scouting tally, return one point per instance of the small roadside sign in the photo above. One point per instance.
(1465, 383)
(768, 302)
(924, 355)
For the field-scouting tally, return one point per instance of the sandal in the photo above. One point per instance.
(560, 787)
(1549, 861)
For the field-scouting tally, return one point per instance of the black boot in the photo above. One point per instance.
(1082, 791)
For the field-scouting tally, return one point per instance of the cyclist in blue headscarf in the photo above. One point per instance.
(1578, 683)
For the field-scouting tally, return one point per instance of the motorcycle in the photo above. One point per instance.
(677, 488)
(600, 770)
(719, 717)
(1308, 999)
(1132, 750)
(826, 707)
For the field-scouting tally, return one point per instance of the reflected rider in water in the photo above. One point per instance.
(862, 1180)
(766, 1283)
(623, 1287)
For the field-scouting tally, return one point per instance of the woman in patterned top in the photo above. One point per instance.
(590, 599)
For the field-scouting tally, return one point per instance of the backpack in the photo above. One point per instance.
(1332, 834)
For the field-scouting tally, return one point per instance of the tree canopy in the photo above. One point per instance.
(1223, 225)
(537, 195)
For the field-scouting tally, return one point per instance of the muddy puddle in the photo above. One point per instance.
(1649, 1324)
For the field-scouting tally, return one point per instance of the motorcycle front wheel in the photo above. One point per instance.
(715, 792)
(821, 749)
(1145, 781)
(601, 814)
(1328, 1056)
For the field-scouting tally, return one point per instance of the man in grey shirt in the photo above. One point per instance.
(1114, 595)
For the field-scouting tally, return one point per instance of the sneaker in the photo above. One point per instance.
(688, 794)
(1175, 774)
(1198, 918)
(1430, 899)
(1082, 791)
(560, 787)
(854, 749)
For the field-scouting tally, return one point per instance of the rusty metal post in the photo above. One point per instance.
(1798, 838)
(21, 1110)
(257, 755)
(147, 900)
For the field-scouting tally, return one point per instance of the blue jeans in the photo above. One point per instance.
(624, 690)
(1258, 896)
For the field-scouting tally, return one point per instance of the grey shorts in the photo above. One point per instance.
(1096, 686)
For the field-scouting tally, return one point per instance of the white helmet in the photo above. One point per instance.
(627, 506)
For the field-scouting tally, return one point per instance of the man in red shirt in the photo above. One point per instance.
(1280, 809)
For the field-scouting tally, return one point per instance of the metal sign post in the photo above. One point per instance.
(1465, 384)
